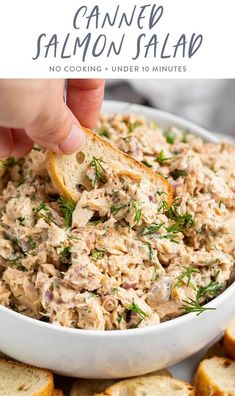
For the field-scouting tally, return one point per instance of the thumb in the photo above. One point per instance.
(57, 129)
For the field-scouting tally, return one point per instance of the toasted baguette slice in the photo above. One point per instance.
(215, 376)
(229, 340)
(68, 172)
(23, 380)
(58, 392)
(83, 387)
(150, 386)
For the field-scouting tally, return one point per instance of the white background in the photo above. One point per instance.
(22, 21)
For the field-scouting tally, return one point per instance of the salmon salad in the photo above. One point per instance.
(126, 255)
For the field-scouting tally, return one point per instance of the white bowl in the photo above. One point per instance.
(110, 354)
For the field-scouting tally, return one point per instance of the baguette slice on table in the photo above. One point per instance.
(22, 380)
(215, 376)
(68, 172)
(229, 340)
(150, 386)
(85, 387)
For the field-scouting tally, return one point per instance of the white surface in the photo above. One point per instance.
(23, 21)
(99, 354)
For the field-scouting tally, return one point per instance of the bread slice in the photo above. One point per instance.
(229, 340)
(150, 386)
(84, 387)
(22, 380)
(215, 376)
(68, 172)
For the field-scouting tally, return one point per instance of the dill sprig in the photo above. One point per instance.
(163, 206)
(178, 173)
(161, 159)
(114, 209)
(98, 254)
(137, 211)
(170, 137)
(104, 133)
(96, 221)
(151, 251)
(10, 162)
(191, 305)
(65, 254)
(181, 220)
(209, 291)
(66, 207)
(97, 164)
(136, 309)
(149, 230)
(186, 276)
(42, 207)
(146, 163)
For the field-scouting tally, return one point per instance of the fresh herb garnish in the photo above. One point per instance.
(114, 209)
(132, 125)
(96, 221)
(45, 208)
(10, 162)
(136, 309)
(66, 207)
(170, 137)
(42, 206)
(181, 220)
(149, 230)
(184, 137)
(146, 163)
(178, 173)
(65, 254)
(119, 318)
(155, 274)
(161, 159)
(151, 251)
(163, 206)
(186, 276)
(191, 305)
(98, 254)
(104, 133)
(97, 164)
(32, 243)
(208, 291)
(137, 211)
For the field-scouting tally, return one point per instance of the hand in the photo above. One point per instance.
(34, 111)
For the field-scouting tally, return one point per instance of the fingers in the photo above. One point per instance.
(84, 98)
(6, 142)
(56, 128)
(22, 143)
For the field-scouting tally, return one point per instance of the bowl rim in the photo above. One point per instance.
(180, 320)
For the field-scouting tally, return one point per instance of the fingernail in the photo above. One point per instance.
(74, 141)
